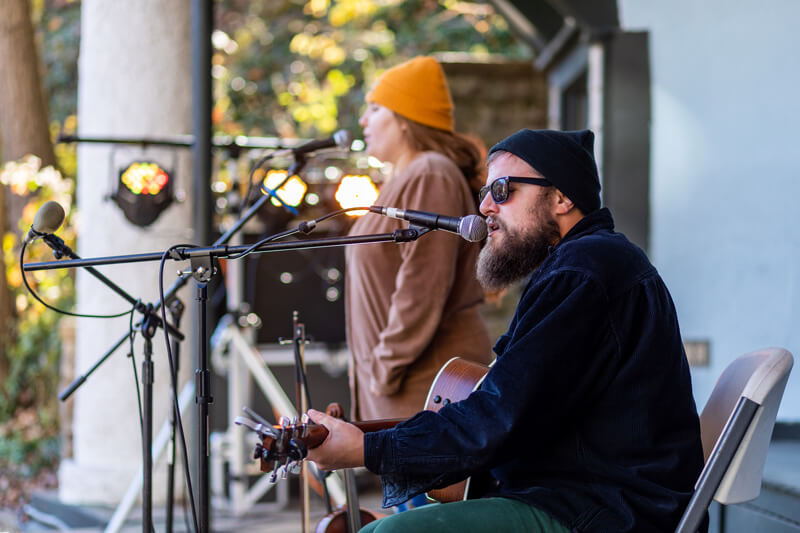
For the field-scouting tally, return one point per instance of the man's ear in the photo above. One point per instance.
(561, 204)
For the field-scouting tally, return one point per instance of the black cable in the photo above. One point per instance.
(340, 212)
(47, 305)
(185, 509)
(304, 227)
(265, 240)
(249, 193)
(174, 377)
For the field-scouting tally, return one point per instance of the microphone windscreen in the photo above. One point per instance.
(48, 218)
(473, 228)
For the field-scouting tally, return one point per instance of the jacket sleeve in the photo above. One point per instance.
(561, 350)
(422, 284)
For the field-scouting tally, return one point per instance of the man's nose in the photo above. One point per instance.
(488, 206)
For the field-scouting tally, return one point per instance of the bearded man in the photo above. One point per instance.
(586, 421)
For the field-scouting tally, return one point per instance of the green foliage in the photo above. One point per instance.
(57, 26)
(24, 456)
(29, 373)
(300, 68)
(28, 403)
(29, 378)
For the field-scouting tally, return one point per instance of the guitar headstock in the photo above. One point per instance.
(284, 445)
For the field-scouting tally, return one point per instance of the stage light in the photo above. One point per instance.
(144, 191)
(291, 192)
(355, 191)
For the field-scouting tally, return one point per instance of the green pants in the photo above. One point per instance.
(494, 515)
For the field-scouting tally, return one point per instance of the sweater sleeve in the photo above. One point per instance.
(423, 281)
(560, 351)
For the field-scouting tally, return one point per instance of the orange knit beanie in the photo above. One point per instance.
(416, 90)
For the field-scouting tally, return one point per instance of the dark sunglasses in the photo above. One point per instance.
(500, 191)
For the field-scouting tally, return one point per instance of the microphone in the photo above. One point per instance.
(470, 227)
(341, 138)
(47, 220)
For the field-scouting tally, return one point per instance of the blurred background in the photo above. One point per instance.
(694, 106)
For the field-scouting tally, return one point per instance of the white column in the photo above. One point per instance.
(134, 74)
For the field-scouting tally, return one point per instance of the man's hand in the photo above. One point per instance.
(342, 448)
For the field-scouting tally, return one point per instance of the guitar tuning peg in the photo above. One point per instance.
(295, 467)
(303, 429)
(297, 450)
(273, 477)
(259, 451)
(284, 421)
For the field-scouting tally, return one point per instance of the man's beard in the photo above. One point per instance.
(518, 256)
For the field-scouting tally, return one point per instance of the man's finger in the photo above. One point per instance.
(320, 418)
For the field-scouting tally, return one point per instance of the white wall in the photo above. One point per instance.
(726, 173)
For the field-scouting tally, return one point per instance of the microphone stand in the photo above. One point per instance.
(202, 269)
(148, 326)
(399, 235)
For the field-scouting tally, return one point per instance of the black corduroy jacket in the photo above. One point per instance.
(588, 411)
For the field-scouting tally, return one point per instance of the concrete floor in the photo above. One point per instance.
(45, 513)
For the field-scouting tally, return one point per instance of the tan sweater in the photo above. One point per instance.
(412, 306)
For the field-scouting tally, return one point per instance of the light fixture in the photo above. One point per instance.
(143, 192)
(356, 191)
(291, 192)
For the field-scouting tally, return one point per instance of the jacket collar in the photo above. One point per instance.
(600, 219)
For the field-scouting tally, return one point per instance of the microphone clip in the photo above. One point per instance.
(298, 165)
(421, 230)
(204, 267)
(409, 234)
(56, 243)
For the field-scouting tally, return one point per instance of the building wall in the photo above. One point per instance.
(496, 98)
(724, 171)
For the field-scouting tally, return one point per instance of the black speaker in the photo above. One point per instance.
(310, 282)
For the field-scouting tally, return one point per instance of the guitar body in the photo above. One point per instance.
(456, 380)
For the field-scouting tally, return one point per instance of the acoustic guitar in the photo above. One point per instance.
(283, 445)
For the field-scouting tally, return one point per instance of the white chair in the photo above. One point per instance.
(736, 427)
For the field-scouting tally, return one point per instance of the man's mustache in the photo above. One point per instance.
(494, 223)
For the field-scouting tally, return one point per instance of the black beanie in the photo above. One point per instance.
(564, 158)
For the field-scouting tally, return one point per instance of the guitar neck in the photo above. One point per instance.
(317, 433)
(370, 426)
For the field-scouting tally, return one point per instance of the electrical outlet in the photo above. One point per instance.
(697, 353)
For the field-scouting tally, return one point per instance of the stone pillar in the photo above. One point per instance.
(134, 73)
